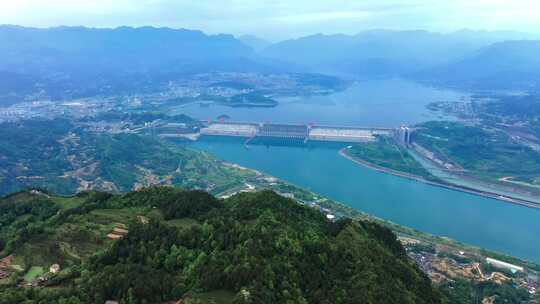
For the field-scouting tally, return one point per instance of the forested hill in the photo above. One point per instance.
(250, 248)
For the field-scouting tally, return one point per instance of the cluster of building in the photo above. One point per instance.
(463, 108)
(195, 88)
(42, 279)
(440, 266)
(53, 109)
(230, 84)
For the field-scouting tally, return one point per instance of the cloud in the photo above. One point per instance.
(323, 16)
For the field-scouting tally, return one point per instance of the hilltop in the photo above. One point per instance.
(162, 244)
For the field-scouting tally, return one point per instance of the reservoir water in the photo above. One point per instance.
(471, 219)
(380, 103)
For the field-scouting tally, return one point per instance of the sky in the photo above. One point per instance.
(279, 19)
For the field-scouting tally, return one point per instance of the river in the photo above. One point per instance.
(471, 219)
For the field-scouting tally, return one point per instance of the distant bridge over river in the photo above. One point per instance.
(303, 132)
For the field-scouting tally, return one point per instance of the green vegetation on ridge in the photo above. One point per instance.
(486, 154)
(252, 248)
(60, 157)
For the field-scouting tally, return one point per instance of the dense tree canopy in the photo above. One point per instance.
(258, 247)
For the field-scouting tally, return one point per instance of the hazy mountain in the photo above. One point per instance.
(79, 61)
(382, 52)
(14, 82)
(69, 49)
(254, 42)
(509, 64)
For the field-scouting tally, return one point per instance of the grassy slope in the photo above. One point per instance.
(33, 273)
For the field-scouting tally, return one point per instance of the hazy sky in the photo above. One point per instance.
(279, 19)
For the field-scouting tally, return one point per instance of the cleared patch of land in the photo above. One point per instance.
(33, 273)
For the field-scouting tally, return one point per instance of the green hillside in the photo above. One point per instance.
(487, 154)
(61, 157)
(250, 248)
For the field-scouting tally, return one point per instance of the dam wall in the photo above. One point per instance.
(235, 130)
(292, 131)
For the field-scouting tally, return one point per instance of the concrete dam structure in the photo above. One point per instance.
(294, 131)
(283, 131)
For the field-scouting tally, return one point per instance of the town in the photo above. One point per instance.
(232, 89)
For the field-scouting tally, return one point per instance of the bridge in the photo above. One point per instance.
(252, 130)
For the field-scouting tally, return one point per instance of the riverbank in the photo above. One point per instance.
(260, 180)
(505, 228)
(507, 199)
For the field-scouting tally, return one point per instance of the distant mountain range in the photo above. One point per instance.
(509, 64)
(254, 42)
(30, 50)
(88, 61)
(383, 53)
(92, 61)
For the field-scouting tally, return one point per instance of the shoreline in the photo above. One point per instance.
(506, 199)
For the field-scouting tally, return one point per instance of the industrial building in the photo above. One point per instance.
(402, 136)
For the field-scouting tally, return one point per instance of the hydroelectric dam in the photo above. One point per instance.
(297, 132)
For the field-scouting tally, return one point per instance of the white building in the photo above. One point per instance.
(402, 136)
(55, 268)
(504, 265)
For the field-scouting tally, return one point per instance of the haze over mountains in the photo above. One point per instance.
(508, 64)
(92, 60)
(387, 53)
(256, 43)
(144, 47)
(68, 58)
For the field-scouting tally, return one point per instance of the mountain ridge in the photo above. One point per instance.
(507, 65)
(384, 52)
(251, 248)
